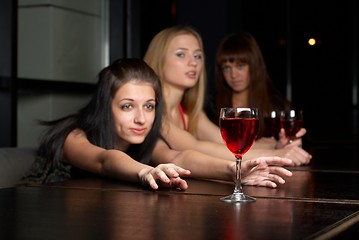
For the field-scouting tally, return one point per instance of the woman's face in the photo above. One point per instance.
(236, 75)
(133, 109)
(183, 62)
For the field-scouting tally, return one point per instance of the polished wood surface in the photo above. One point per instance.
(315, 203)
(68, 213)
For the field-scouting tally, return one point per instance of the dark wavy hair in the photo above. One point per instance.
(96, 118)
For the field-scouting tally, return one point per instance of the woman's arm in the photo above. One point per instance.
(294, 152)
(265, 171)
(201, 165)
(181, 140)
(79, 152)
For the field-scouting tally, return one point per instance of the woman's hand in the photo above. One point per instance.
(167, 174)
(265, 171)
(294, 150)
(284, 141)
(297, 154)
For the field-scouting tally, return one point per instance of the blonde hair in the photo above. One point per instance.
(193, 98)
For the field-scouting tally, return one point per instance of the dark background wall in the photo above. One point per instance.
(8, 52)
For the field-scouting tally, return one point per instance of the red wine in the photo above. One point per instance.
(291, 127)
(239, 134)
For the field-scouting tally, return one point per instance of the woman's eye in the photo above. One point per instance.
(226, 69)
(198, 56)
(241, 65)
(150, 106)
(180, 54)
(126, 106)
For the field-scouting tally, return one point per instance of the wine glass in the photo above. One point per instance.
(272, 123)
(292, 121)
(239, 128)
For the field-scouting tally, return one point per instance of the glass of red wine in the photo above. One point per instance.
(292, 121)
(272, 124)
(239, 128)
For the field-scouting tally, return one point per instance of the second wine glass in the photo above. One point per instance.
(239, 129)
(292, 121)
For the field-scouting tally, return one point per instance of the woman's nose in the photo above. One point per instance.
(233, 73)
(140, 117)
(192, 61)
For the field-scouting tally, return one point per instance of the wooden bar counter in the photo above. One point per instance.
(315, 203)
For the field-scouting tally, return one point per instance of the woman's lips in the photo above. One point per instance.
(192, 74)
(138, 131)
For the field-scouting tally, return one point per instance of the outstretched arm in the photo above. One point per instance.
(79, 152)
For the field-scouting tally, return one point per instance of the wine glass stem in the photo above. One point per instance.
(238, 187)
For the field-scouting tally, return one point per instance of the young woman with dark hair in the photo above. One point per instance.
(113, 135)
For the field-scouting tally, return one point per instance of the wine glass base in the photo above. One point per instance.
(238, 198)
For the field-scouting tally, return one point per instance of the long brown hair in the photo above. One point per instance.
(243, 48)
